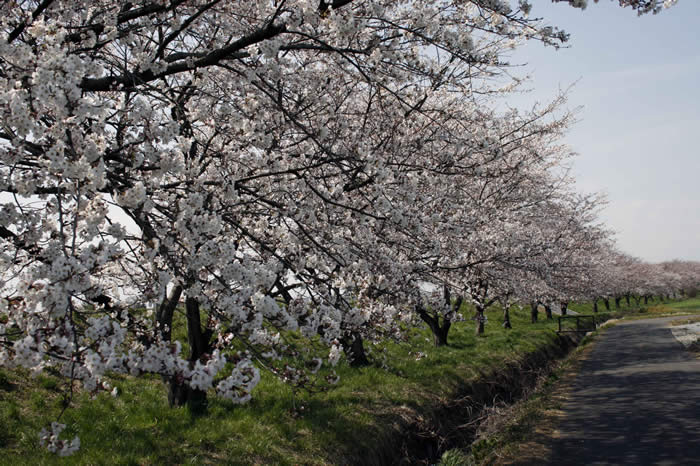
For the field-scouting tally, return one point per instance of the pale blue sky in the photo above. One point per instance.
(638, 81)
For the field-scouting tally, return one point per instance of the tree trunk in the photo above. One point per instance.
(595, 305)
(627, 299)
(506, 317)
(355, 350)
(606, 301)
(646, 300)
(439, 331)
(548, 312)
(180, 393)
(164, 314)
(440, 334)
(617, 302)
(533, 312)
(564, 307)
(479, 320)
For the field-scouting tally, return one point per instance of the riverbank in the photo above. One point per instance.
(413, 402)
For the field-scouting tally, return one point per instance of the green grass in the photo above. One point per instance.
(667, 309)
(587, 307)
(689, 305)
(360, 418)
(654, 308)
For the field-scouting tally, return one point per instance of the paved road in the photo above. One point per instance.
(635, 401)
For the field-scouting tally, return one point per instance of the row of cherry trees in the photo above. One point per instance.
(332, 167)
(619, 279)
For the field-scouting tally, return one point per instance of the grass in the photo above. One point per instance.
(357, 421)
(690, 306)
(587, 307)
(668, 309)
(359, 418)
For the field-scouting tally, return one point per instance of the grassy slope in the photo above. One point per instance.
(356, 420)
(689, 306)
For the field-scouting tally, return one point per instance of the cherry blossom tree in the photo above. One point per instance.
(240, 159)
(221, 132)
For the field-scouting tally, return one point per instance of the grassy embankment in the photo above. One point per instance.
(357, 421)
(519, 434)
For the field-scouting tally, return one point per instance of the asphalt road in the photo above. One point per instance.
(636, 401)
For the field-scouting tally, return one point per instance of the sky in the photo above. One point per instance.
(637, 81)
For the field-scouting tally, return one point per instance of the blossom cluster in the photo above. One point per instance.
(50, 439)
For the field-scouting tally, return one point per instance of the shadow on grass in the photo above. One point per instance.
(5, 383)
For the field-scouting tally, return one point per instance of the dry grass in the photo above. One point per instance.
(685, 321)
(521, 434)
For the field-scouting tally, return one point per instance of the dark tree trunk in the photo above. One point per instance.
(617, 302)
(595, 305)
(355, 350)
(506, 317)
(479, 320)
(564, 307)
(627, 299)
(606, 301)
(164, 314)
(440, 333)
(646, 300)
(433, 321)
(180, 393)
(548, 312)
(533, 312)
